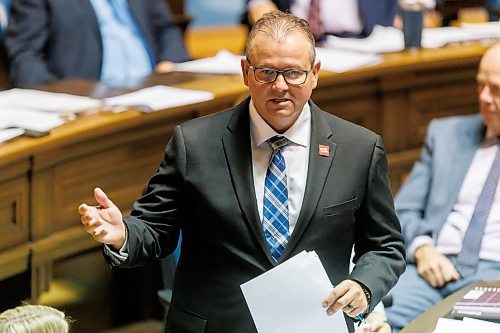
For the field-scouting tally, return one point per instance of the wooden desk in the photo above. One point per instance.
(44, 180)
(426, 322)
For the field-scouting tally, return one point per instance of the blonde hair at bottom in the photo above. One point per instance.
(34, 319)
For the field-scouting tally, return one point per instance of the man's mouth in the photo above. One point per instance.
(280, 100)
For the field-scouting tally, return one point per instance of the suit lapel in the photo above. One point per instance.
(318, 170)
(467, 144)
(87, 10)
(237, 149)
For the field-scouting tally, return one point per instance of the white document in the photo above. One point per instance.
(439, 37)
(340, 61)
(445, 325)
(467, 325)
(29, 120)
(157, 98)
(381, 40)
(288, 298)
(47, 101)
(10, 133)
(492, 28)
(224, 62)
(390, 39)
(483, 326)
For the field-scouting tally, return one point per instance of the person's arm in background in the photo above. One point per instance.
(410, 203)
(257, 8)
(25, 40)
(169, 45)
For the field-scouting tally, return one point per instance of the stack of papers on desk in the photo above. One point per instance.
(38, 100)
(340, 61)
(288, 298)
(156, 98)
(35, 112)
(390, 39)
(467, 325)
(381, 40)
(439, 37)
(17, 121)
(224, 62)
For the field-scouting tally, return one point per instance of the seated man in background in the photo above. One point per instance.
(347, 18)
(114, 41)
(450, 206)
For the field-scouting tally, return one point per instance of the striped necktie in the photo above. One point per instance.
(314, 19)
(275, 209)
(468, 258)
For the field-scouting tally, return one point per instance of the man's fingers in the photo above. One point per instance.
(82, 209)
(102, 198)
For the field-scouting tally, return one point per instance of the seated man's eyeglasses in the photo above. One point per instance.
(269, 75)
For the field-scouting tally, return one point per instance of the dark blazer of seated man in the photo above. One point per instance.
(56, 39)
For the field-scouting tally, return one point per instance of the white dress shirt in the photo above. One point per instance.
(336, 16)
(449, 240)
(295, 153)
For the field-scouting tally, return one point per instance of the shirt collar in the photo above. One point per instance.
(298, 133)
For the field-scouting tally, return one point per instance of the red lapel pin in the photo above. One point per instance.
(324, 150)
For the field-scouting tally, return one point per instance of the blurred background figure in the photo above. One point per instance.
(34, 319)
(4, 16)
(493, 7)
(348, 18)
(114, 41)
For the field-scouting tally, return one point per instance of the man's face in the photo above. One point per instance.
(279, 103)
(488, 79)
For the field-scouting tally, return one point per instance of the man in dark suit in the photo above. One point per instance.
(367, 14)
(214, 184)
(110, 40)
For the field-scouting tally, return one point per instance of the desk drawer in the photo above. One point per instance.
(14, 205)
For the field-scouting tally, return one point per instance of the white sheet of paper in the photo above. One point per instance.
(390, 39)
(483, 326)
(446, 325)
(224, 62)
(27, 119)
(47, 101)
(382, 39)
(340, 61)
(157, 98)
(288, 298)
(439, 37)
(10, 133)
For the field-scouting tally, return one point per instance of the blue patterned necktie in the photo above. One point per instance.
(468, 257)
(275, 209)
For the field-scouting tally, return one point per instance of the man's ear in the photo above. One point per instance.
(315, 72)
(244, 70)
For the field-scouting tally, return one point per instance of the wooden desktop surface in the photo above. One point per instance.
(426, 322)
(43, 180)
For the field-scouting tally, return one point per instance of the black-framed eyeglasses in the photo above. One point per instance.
(269, 75)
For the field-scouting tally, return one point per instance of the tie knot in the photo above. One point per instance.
(277, 142)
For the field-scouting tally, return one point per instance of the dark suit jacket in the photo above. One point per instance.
(372, 12)
(56, 39)
(204, 187)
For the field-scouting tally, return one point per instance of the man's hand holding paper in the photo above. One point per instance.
(288, 298)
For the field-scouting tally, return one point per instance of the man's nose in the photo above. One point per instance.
(280, 83)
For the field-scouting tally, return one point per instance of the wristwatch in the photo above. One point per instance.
(367, 294)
